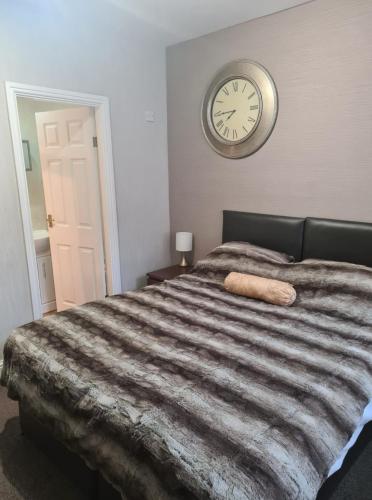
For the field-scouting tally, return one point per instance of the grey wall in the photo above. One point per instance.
(318, 160)
(100, 50)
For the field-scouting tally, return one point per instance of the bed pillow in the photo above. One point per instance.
(243, 248)
(272, 291)
(249, 248)
(240, 257)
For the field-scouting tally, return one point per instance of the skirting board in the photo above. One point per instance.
(49, 306)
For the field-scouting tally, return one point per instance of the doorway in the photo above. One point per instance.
(79, 210)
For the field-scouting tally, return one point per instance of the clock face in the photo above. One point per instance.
(239, 109)
(235, 110)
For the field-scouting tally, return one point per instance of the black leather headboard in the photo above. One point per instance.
(338, 240)
(276, 232)
(309, 238)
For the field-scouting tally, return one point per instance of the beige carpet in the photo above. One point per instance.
(25, 472)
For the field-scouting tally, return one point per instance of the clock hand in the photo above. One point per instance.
(219, 113)
(231, 113)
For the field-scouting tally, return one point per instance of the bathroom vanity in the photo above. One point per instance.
(45, 270)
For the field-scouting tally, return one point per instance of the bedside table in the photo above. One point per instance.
(167, 273)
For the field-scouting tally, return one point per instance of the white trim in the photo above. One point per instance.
(49, 306)
(106, 170)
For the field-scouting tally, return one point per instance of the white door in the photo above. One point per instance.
(69, 168)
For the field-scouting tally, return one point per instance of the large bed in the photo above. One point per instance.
(184, 391)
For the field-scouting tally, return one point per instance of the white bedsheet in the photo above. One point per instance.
(365, 418)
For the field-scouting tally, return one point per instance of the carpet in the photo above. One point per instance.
(25, 472)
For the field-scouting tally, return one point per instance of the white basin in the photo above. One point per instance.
(41, 240)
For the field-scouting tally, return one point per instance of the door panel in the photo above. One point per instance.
(72, 196)
(67, 289)
(56, 174)
(80, 171)
(51, 137)
(75, 133)
(87, 266)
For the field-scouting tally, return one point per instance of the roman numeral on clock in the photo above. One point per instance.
(253, 107)
(235, 134)
(250, 96)
(235, 86)
(219, 124)
(250, 119)
(226, 92)
(226, 132)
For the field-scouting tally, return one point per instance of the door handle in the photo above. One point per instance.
(50, 220)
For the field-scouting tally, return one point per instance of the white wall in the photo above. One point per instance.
(89, 47)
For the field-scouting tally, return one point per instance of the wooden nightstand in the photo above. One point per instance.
(167, 273)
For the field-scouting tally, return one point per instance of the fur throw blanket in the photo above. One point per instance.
(184, 391)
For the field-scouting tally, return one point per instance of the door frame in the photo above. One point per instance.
(101, 107)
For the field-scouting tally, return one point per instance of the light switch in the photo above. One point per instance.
(149, 116)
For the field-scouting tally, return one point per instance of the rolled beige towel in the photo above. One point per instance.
(272, 291)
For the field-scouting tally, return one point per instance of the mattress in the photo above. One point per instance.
(185, 391)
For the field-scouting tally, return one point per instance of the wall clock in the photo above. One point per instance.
(239, 109)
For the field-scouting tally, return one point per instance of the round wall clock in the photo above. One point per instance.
(239, 109)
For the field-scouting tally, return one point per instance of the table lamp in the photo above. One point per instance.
(183, 244)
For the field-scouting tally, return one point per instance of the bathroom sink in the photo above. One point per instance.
(41, 240)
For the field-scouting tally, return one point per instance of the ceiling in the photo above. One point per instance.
(185, 19)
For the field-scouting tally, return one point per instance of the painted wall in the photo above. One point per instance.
(26, 110)
(101, 50)
(318, 161)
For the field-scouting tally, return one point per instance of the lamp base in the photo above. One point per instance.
(183, 262)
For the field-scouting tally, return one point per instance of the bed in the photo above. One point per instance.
(182, 391)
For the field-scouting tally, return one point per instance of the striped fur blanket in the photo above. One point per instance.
(183, 391)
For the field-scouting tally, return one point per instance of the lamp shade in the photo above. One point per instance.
(183, 242)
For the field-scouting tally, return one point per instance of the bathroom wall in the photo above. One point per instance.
(26, 110)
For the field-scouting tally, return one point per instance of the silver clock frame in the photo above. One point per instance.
(262, 81)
